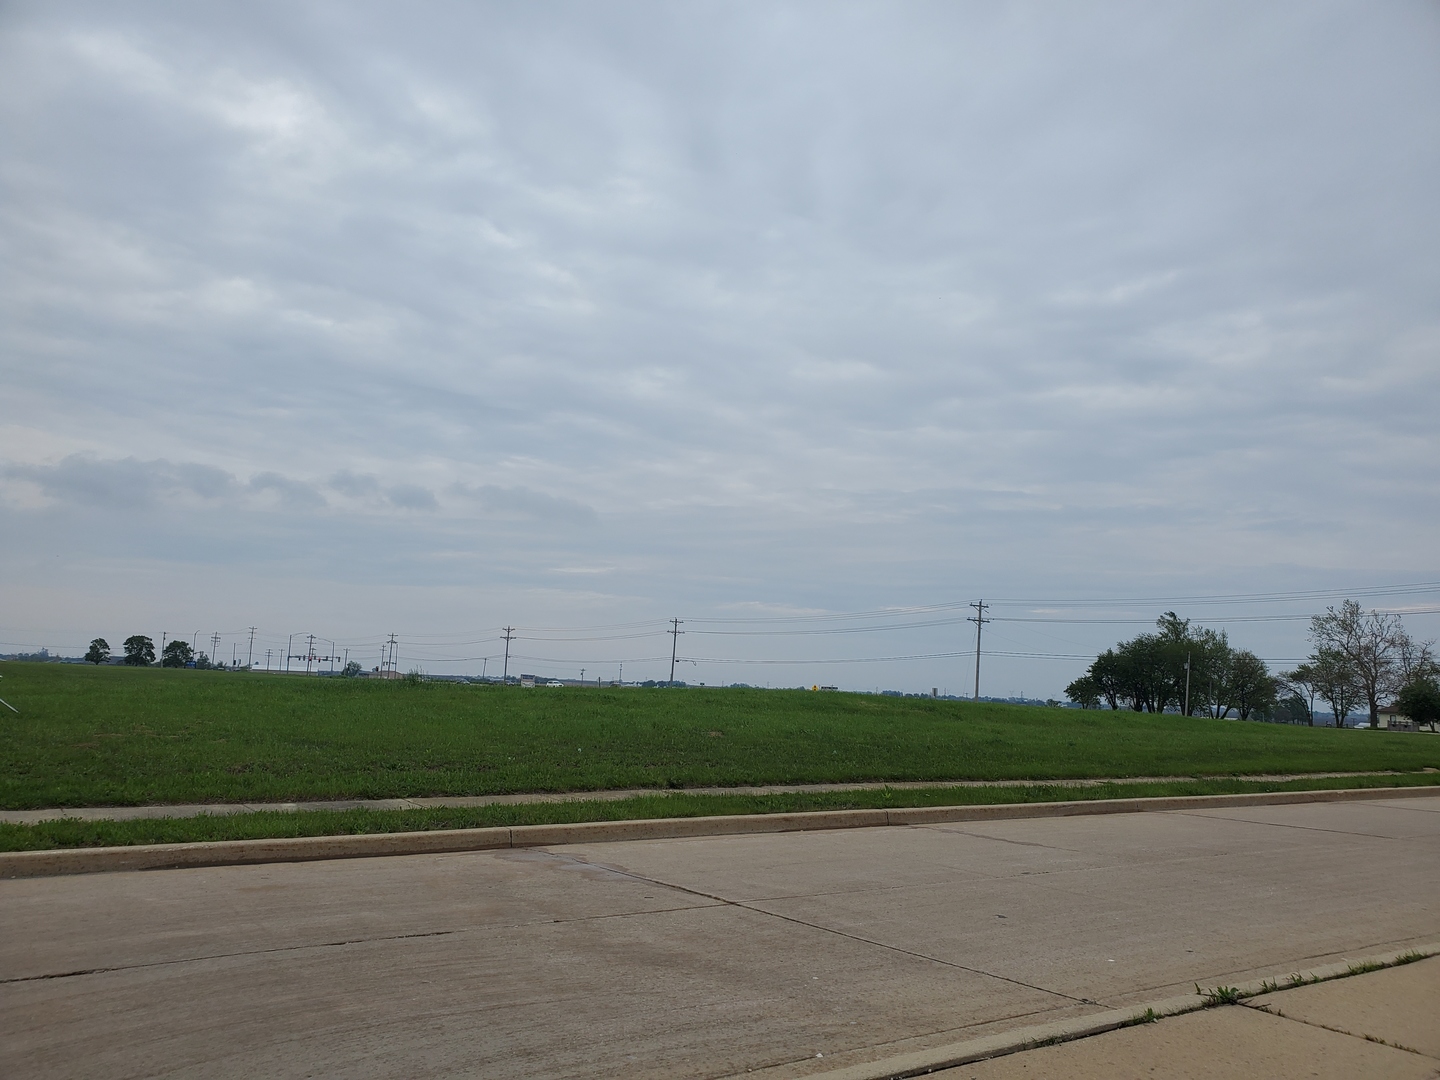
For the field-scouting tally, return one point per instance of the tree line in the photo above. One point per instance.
(1359, 658)
(139, 651)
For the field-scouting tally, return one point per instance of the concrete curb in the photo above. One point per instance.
(954, 1055)
(22, 864)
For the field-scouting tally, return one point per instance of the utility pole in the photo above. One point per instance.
(979, 620)
(582, 676)
(234, 647)
(162, 648)
(214, 648)
(1187, 684)
(289, 648)
(250, 654)
(309, 651)
(267, 659)
(674, 633)
(390, 657)
(505, 675)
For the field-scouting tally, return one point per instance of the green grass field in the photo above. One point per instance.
(109, 735)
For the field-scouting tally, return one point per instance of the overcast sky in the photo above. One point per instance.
(357, 318)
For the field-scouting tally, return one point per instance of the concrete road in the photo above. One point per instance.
(791, 954)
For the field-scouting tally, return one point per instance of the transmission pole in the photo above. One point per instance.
(390, 656)
(979, 620)
(250, 654)
(505, 675)
(674, 633)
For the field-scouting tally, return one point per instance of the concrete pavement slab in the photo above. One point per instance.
(55, 925)
(1115, 910)
(687, 992)
(1400, 1006)
(696, 957)
(1388, 819)
(1231, 1043)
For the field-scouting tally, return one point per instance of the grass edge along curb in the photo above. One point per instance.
(970, 1051)
(58, 861)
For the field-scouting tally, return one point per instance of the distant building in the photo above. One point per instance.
(1391, 718)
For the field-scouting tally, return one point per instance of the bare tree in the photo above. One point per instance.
(1376, 647)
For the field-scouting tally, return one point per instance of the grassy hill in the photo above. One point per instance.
(110, 735)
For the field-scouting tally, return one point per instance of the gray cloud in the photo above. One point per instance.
(824, 306)
(412, 497)
(355, 485)
(292, 494)
(85, 480)
(526, 504)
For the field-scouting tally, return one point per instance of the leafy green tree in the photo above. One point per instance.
(1301, 684)
(177, 654)
(99, 651)
(1335, 681)
(1252, 686)
(1293, 709)
(202, 662)
(139, 651)
(1108, 676)
(1419, 701)
(1084, 692)
(352, 669)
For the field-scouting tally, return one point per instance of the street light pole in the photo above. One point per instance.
(1187, 684)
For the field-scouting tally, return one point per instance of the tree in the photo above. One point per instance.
(99, 651)
(1301, 683)
(177, 654)
(1252, 687)
(1084, 692)
(1378, 649)
(1419, 701)
(1335, 681)
(139, 650)
(1292, 709)
(352, 669)
(1178, 665)
(202, 662)
(1106, 673)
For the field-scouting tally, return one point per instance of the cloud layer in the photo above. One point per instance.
(747, 303)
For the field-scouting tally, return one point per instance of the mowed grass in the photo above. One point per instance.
(110, 735)
(271, 824)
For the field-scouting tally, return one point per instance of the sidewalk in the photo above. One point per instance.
(185, 810)
(1381, 1025)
